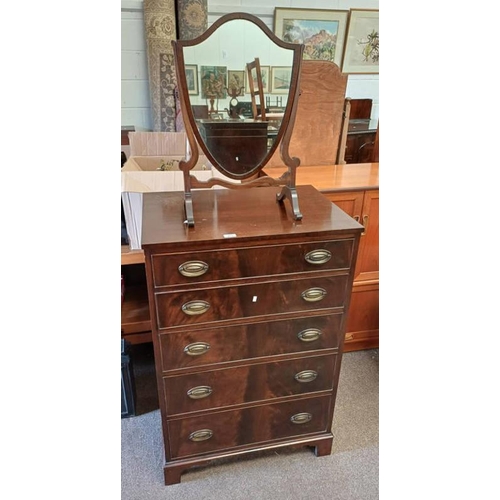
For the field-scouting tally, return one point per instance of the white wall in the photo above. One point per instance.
(135, 90)
(136, 106)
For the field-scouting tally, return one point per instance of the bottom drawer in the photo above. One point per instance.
(228, 429)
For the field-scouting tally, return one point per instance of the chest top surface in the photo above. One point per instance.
(239, 214)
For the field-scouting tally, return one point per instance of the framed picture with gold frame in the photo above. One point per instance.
(321, 31)
(361, 53)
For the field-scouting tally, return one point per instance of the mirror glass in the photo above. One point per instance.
(237, 138)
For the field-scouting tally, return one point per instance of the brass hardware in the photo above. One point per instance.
(301, 418)
(317, 257)
(196, 349)
(200, 392)
(349, 336)
(306, 376)
(201, 435)
(356, 218)
(195, 307)
(309, 334)
(193, 268)
(313, 294)
(365, 224)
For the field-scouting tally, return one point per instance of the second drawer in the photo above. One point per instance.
(204, 305)
(250, 383)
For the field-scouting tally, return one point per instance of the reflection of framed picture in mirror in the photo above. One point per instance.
(192, 79)
(280, 79)
(264, 71)
(361, 48)
(321, 31)
(236, 82)
(213, 82)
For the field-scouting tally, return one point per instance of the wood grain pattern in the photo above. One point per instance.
(251, 425)
(238, 263)
(251, 341)
(319, 120)
(243, 216)
(248, 383)
(260, 385)
(250, 301)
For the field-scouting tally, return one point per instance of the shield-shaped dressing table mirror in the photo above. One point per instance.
(238, 145)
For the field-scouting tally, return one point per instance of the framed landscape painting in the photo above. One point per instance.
(321, 31)
(361, 49)
(280, 79)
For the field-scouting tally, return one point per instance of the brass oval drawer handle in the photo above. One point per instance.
(301, 418)
(313, 294)
(196, 348)
(200, 392)
(306, 376)
(309, 334)
(193, 268)
(195, 307)
(201, 435)
(318, 257)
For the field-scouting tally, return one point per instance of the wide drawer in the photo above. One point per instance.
(245, 384)
(247, 301)
(216, 265)
(229, 429)
(231, 343)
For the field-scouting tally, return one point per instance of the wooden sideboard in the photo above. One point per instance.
(355, 189)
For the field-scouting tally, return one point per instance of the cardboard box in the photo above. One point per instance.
(140, 175)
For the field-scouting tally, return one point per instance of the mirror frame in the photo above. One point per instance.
(283, 137)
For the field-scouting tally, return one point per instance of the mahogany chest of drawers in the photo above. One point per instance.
(248, 313)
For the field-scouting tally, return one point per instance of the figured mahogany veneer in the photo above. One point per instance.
(249, 311)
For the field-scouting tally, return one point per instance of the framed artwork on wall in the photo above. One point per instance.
(361, 49)
(192, 79)
(213, 82)
(280, 79)
(236, 82)
(264, 72)
(321, 31)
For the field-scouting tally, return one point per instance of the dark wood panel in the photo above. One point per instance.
(251, 425)
(255, 340)
(222, 218)
(253, 261)
(250, 383)
(249, 301)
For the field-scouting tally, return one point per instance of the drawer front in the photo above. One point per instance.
(245, 384)
(248, 301)
(228, 429)
(231, 343)
(216, 265)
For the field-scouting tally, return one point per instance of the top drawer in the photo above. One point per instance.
(217, 265)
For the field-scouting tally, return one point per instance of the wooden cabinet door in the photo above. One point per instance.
(363, 207)
(368, 258)
(351, 202)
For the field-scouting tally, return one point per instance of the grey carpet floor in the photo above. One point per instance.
(349, 473)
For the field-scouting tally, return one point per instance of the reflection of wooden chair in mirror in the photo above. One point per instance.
(259, 91)
(320, 131)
